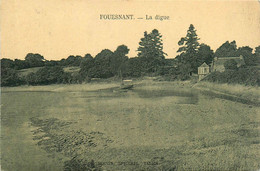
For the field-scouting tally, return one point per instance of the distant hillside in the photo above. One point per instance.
(25, 72)
(71, 69)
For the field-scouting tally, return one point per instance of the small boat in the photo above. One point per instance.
(127, 84)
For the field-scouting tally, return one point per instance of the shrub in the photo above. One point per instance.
(9, 77)
(230, 65)
(46, 75)
(246, 76)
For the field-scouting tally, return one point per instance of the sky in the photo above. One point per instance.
(59, 28)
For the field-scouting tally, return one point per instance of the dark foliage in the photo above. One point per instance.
(51, 63)
(243, 75)
(85, 68)
(150, 51)
(72, 61)
(250, 58)
(189, 44)
(46, 75)
(133, 68)
(7, 63)
(192, 54)
(9, 77)
(21, 64)
(119, 59)
(227, 49)
(102, 65)
(34, 60)
(151, 45)
(106, 64)
(205, 54)
(230, 50)
(230, 65)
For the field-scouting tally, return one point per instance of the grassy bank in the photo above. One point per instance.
(251, 93)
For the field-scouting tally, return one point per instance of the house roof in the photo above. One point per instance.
(204, 65)
(221, 60)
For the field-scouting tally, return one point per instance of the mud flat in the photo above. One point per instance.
(155, 126)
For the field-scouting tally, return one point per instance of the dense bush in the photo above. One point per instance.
(34, 60)
(246, 76)
(133, 68)
(47, 75)
(9, 77)
(71, 61)
(230, 65)
(7, 63)
(139, 66)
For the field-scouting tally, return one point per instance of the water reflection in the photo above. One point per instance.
(182, 97)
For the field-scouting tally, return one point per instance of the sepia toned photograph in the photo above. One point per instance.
(130, 85)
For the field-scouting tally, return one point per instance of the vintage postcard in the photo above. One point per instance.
(130, 85)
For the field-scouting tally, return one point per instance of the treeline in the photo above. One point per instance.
(150, 61)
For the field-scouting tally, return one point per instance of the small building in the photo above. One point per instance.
(218, 63)
(203, 70)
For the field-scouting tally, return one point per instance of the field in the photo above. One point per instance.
(155, 126)
(25, 72)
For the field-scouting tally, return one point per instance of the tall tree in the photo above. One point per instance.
(72, 60)
(102, 67)
(118, 59)
(188, 50)
(227, 49)
(86, 64)
(151, 51)
(9, 77)
(151, 45)
(205, 54)
(88, 56)
(247, 53)
(257, 55)
(189, 44)
(257, 50)
(20, 64)
(34, 60)
(230, 49)
(7, 63)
